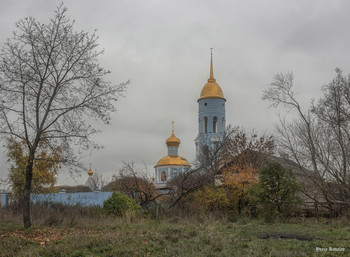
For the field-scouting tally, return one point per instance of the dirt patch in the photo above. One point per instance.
(287, 236)
(44, 236)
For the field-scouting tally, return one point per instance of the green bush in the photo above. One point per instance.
(118, 204)
(277, 191)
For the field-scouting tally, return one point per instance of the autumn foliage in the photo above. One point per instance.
(212, 198)
(44, 169)
(243, 155)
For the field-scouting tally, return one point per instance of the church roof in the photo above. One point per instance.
(172, 160)
(90, 182)
(211, 89)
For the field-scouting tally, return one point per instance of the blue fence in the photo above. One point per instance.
(4, 199)
(83, 199)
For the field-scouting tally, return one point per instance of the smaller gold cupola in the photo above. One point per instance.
(170, 165)
(90, 171)
(211, 89)
(173, 140)
(172, 159)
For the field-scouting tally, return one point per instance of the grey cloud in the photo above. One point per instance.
(163, 47)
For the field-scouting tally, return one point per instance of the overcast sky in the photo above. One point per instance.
(163, 47)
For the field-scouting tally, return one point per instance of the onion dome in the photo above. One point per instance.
(211, 89)
(90, 171)
(173, 140)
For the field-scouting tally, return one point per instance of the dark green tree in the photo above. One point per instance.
(277, 190)
(118, 204)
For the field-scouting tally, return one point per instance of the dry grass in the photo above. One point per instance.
(77, 231)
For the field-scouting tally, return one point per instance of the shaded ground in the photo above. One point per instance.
(287, 236)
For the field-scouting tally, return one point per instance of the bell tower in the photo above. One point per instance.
(211, 116)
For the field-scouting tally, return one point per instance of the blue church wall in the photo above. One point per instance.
(175, 171)
(170, 172)
(83, 199)
(215, 108)
(173, 150)
(208, 110)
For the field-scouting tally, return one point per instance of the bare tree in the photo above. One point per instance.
(318, 139)
(204, 172)
(245, 148)
(136, 183)
(4, 185)
(98, 180)
(50, 84)
(95, 181)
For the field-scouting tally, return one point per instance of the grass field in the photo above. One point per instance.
(176, 237)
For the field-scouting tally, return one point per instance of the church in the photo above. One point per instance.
(211, 129)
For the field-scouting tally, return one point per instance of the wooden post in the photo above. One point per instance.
(157, 212)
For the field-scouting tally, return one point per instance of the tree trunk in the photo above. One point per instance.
(26, 197)
(240, 206)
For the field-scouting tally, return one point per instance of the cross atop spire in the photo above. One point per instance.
(172, 126)
(211, 78)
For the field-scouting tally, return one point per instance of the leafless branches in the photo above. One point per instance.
(318, 139)
(204, 173)
(50, 84)
(135, 183)
(96, 181)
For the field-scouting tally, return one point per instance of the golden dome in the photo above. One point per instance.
(90, 171)
(172, 160)
(173, 140)
(211, 89)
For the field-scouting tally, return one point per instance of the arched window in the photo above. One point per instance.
(163, 176)
(205, 125)
(223, 124)
(215, 124)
